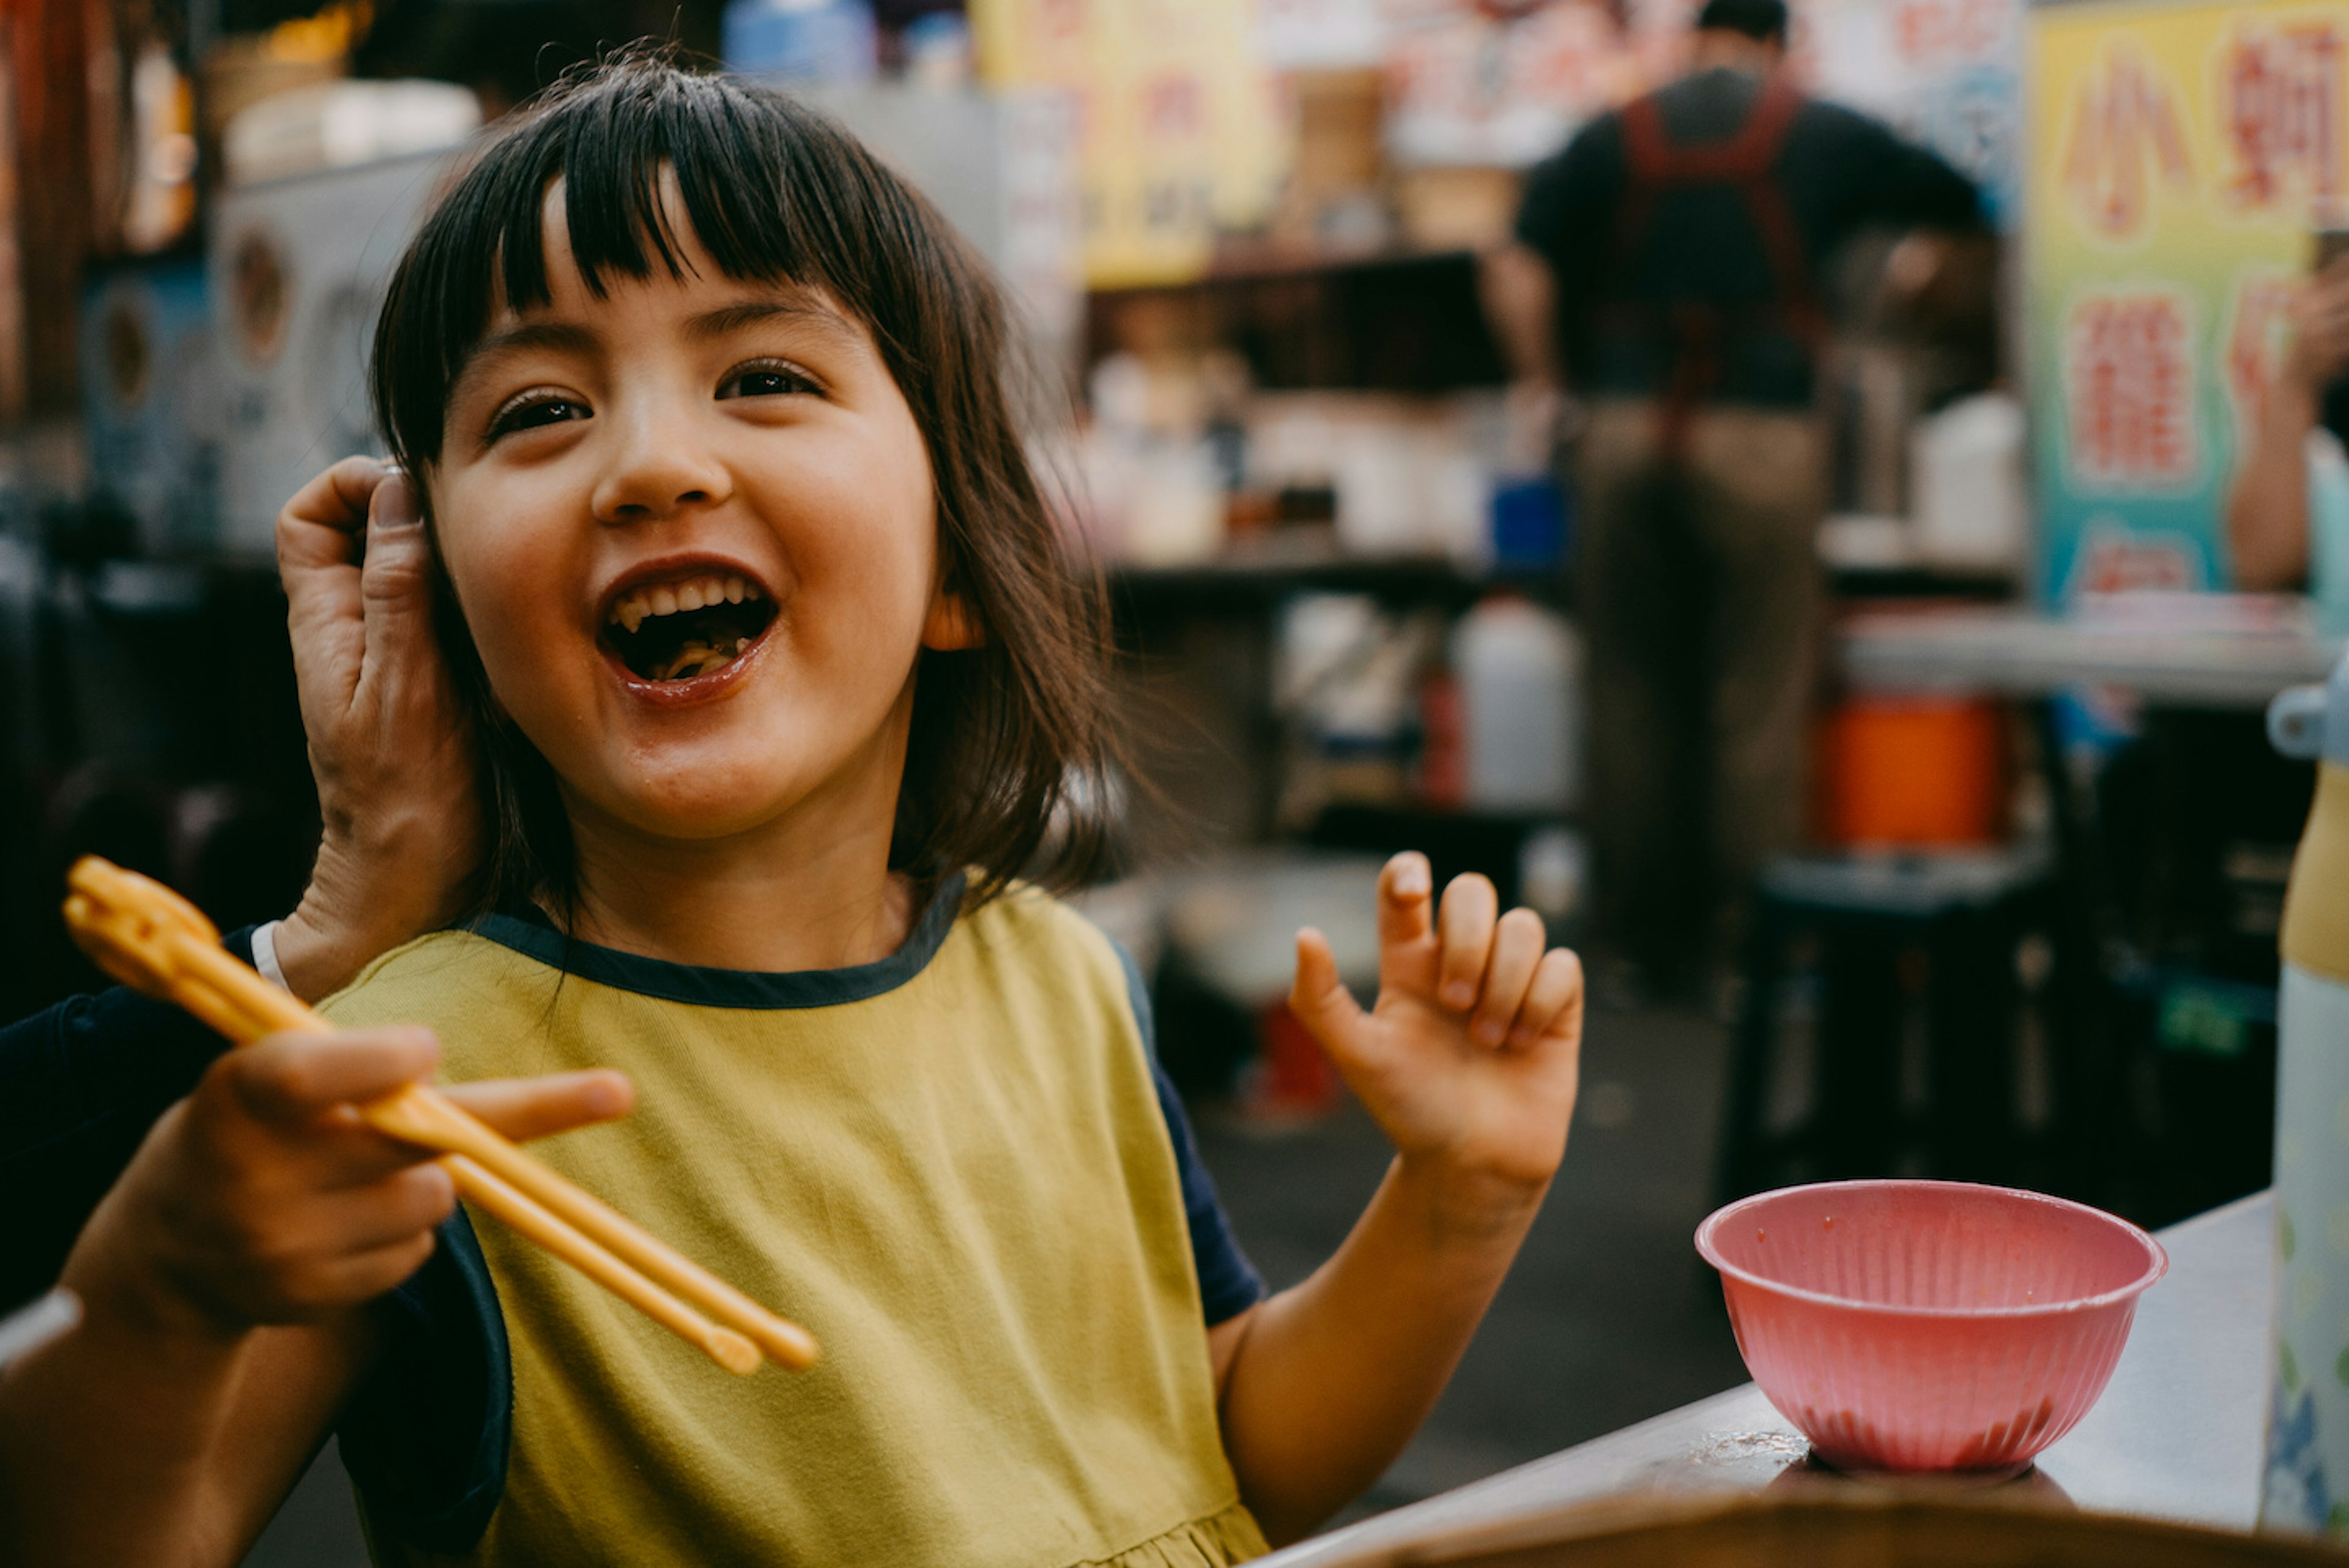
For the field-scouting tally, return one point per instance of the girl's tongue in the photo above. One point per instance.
(678, 630)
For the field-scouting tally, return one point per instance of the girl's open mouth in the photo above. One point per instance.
(686, 627)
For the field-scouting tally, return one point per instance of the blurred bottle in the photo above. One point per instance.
(2308, 1413)
(935, 48)
(802, 40)
(1967, 488)
(1520, 673)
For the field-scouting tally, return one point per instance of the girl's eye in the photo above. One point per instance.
(531, 410)
(767, 379)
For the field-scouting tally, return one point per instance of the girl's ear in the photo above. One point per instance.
(951, 625)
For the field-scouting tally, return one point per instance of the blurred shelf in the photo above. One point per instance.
(1251, 581)
(1921, 583)
(2202, 650)
(1409, 322)
(1245, 262)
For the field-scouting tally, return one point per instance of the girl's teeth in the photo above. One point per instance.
(668, 599)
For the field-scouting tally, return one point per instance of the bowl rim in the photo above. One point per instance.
(1708, 1249)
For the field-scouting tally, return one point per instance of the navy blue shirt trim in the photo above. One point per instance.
(528, 932)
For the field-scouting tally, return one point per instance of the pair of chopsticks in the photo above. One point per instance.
(155, 941)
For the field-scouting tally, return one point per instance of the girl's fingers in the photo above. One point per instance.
(297, 1078)
(1553, 1003)
(1406, 897)
(1406, 918)
(1466, 920)
(525, 1108)
(1320, 998)
(393, 1209)
(1517, 950)
(351, 1278)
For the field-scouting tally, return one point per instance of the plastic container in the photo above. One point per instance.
(1520, 673)
(1912, 772)
(1970, 497)
(2307, 1467)
(1929, 1325)
(831, 41)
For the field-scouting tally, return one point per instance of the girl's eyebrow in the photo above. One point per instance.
(559, 337)
(744, 313)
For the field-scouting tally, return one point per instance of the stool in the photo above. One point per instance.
(1900, 940)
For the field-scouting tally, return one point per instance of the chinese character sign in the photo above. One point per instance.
(2128, 369)
(1174, 117)
(2128, 139)
(2281, 115)
(2179, 156)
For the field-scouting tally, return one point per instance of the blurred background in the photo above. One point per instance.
(2070, 521)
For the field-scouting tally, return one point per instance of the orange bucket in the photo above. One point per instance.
(1912, 772)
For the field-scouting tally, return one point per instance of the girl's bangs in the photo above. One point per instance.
(624, 176)
(754, 179)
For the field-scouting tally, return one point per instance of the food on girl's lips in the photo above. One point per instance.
(678, 630)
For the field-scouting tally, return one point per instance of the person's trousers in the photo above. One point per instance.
(1702, 602)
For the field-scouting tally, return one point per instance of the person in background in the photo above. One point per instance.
(2306, 401)
(1665, 268)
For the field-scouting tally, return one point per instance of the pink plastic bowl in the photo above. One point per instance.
(1929, 1325)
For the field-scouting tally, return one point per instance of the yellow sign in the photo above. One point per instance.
(1177, 127)
(2179, 157)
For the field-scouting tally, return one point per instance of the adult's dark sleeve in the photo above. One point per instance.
(79, 1085)
(1568, 208)
(1567, 216)
(1894, 182)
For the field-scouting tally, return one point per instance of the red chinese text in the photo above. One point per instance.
(1933, 33)
(2126, 131)
(2279, 115)
(2129, 376)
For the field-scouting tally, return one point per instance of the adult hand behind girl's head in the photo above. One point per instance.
(390, 746)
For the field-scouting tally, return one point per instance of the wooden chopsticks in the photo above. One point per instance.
(155, 941)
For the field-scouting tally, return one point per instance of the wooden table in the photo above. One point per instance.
(2177, 1435)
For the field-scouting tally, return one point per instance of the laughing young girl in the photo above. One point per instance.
(784, 681)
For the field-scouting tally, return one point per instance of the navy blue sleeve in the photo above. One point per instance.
(1228, 1283)
(427, 1433)
(80, 1083)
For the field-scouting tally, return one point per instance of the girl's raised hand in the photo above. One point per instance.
(1469, 1058)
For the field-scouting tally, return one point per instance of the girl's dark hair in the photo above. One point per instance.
(1011, 747)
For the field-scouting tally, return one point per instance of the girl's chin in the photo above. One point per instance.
(688, 821)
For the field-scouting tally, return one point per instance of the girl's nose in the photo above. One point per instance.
(660, 471)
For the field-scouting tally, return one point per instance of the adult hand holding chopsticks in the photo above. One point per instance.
(225, 1282)
(266, 1199)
